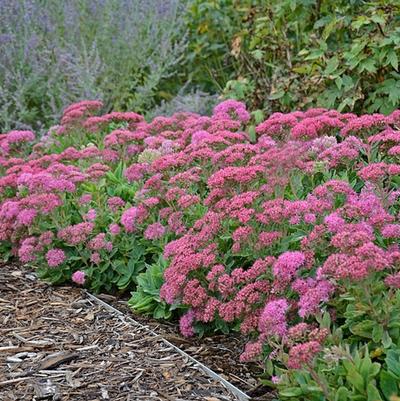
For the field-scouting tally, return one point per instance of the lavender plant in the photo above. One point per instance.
(194, 101)
(53, 53)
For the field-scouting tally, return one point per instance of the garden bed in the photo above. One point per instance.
(285, 231)
(58, 343)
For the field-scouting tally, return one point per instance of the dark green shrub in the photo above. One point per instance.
(290, 54)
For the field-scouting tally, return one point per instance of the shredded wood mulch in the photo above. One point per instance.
(220, 352)
(58, 344)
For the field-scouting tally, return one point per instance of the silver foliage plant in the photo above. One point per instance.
(53, 53)
(193, 101)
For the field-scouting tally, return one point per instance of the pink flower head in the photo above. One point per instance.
(90, 215)
(273, 318)
(76, 234)
(26, 252)
(303, 354)
(232, 109)
(391, 231)
(186, 323)
(154, 231)
(374, 171)
(95, 258)
(128, 219)
(85, 199)
(286, 266)
(78, 277)
(46, 238)
(252, 350)
(20, 136)
(298, 331)
(115, 203)
(26, 217)
(114, 229)
(334, 222)
(55, 257)
(200, 136)
(136, 171)
(312, 293)
(99, 242)
(393, 280)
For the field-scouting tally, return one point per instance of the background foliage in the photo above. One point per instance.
(342, 54)
(136, 54)
(53, 53)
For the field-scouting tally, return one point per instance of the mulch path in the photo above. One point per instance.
(58, 344)
(219, 352)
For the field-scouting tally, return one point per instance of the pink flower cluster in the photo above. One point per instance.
(11, 142)
(55, 257)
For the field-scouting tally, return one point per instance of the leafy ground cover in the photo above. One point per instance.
(287, 232)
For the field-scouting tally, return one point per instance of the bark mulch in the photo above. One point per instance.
(219, 352)
(58, 344)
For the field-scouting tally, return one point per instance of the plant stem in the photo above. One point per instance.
(320, 382)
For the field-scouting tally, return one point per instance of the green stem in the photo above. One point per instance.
(320, 382)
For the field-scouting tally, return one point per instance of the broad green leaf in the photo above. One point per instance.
(375, 368)
(392, 59)
(290, 392)
(365, 368)
(339, 82)
(394, 94)
(329, 28)
(315, 54)
(354, 378)
(388, 384)
(257, 54)
(363, 329)
(252, 134)
(331, 65)
(342, 394)
(393, 362)
(302, 69)
(386, 339)
(378, 19)
(258, 116)
(377, 333)
(373, 393)
(348, 82)
(368, 65)
(360, 21)
(277, 95)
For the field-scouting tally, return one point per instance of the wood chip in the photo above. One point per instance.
(54, 360)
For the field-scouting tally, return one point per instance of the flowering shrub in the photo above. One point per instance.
(291, 237)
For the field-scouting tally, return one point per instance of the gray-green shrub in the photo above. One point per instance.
(53, 53)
